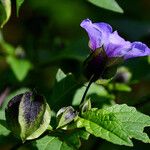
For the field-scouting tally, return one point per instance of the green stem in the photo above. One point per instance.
(87, 88)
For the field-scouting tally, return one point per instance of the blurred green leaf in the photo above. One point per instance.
(119, 87)
(3, 130)
(149, 59)
(18, 5)
(20, 67)
(117, 124)
(8, 48)
(52, 143)
(2, 115)
(107, 4)
(103, 81)
(5, 11)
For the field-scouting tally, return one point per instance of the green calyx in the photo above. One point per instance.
(28, 115)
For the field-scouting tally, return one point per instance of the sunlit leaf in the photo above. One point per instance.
(51, 143)
(117, 124)
(133, 121)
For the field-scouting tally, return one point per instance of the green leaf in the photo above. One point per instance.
(51, 143)
(107, 4)
(69, 140)
(102, 124)
(132, 121)
(18, 5)
(5, 11)
(64, 88)
(117, 124)
(20, 67)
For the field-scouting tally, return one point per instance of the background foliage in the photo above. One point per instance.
(46, 36)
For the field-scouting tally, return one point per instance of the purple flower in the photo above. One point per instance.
(101, 34)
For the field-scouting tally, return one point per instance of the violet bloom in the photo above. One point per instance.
(101, 34)
(108, 49)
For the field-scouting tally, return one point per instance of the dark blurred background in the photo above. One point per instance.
(49, 32)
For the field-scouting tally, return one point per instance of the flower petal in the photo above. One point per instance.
(97, 32)
(105, 29)
(138, 49)
(116, 46)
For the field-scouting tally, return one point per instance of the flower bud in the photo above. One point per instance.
(28, 115)
(65, 115)
(85, 106)
(123, 75)
(94, 64)
(20, 53)
(99, 65)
